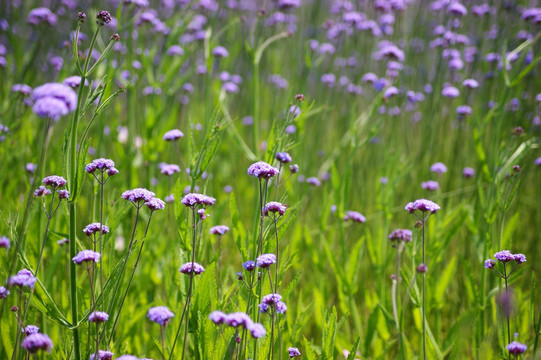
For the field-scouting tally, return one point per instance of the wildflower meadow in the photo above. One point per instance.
(270, 179)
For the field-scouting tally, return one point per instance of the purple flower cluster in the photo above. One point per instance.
(103, 165)
(355, 217)
(293, 351)
(218, 230)
(266, 260)
(173, 135)
(314, 181)
(103, 355)
(86, 256)
(155, 204)
(169, 169)
(4, 292)
(439, 168)
(283, 157)
(194, 199)
(98, 317)
(53, 100)
(4, 242)
(274, 207)
(238, 319)
(35, 342)
(272, 301)
(262, 170)
(191, 268)
(42, 191)
(249, 265)
(422, 205)
(516, 348)
(30, 329)
(137, 195)
(94, 228)
(41, 15)
(430, 185)
(160, 315)
(24, 278)
(398, 235)
(505, 256)
(54, 181)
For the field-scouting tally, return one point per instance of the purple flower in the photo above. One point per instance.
(293, 351)
(100, 164)
(103, 18)
(516, 348)
(160, 315)
(450, 92)
(41, 15)
(175, 50)
(74, 81)
(4, 292)
(218, 317)
(504, 256)
(314, 181)
(63, 194)
(230, 87)
(468, 172)
(22, 89)
(537, 161)
(439, 168)
(54, 100)
(238, 319)
(271, 299)
(155, 204)
(249, 265)
(288, 4)
(256, 330)
(189, 270)
(390, 92)
(86, 256)
(422, 205)
(519, 258)
(138, 194)
(127, 357)
(94, 228)
(463, 111)
(489, 264)
(283, 157)
(400, 235)
(457, 9)
(54, 181)
(391, 51)
(4, 242)
(103, 355)
(218, 230)
(430, 185)
(274, 207)
(24, 278)
(470, 83)
(355, 217)
(34, 342)
(169, 169)
(266, 260)
(295, 168)
(220, 52)
(173, 135)
(194, 199)
(30, 329)
(261, 169)
(98, 317)
(328, 79)
(422, 268)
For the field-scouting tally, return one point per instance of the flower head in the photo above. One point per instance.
(24, 278)
(137, 195)
(98, 317)
(169, 169)
(4, 292)
(516, 348)
(86, 256)
(400, 235)
(355, 217)
(63, 194)
(262, 170)
(257, 330)
(422, 205)
(34, 342)
(439, 168)
(294, 168)
(4, 242)
(160, 315)
(54, 181)
(30, 329)
(490, 263)
(314, 181)
(238, 319)
(53, 100)
(266, 260)
(100, 164)
(293, 351)
(218, 230)
(191, 268)
(283, 157)
(94, 228)
(103, 18)
(41, 15)
(127, 357)
(173, 135)
(504, 256)
(249, 265)
(155, 204)
(42, 191)
(274, 207)
(468, 172)
(430, 185)
(103, 355)
(218, 317)
(194, 199)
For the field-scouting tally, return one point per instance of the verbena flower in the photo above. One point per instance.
(63, 194)
(262, 170)
(218, 317)
(22, 89)
(188, 270)
(274, 207)
(249, 265)
(173, 135)
(272, 301)
(516, 348)
(220, 52)
(468, 172)
(169, 169)
(430, 185)
(422, 268)
(293, 351)
(439, 168)
(4, 242)
(160, 315)
(101, 164)
(314, 181)
(155, 204)
(4, 292)
(30, 329)
(103, 355)
(194, 199)
(398, 235)
(54, 181)
(103, 18)
(283, 157)
(266, 260)
(238, 319)
(422, 205)
(257, 330)
(53, 100)
(98, 317)
(35, 342)
(24, 278)
(355, 216)
(294, 168)
(41, 15)
(489, 264)
(137, 195)
(86, 256)
(127, 357)
(94, 228)
(219, 230)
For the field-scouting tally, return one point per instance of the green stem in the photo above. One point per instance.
(424, 294)
(73, 281)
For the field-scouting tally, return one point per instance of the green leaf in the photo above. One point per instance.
(353, 351)
(443, 282)
(239, 231)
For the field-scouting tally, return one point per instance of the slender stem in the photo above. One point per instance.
(277, 253)
(395, 295)
(73, 281)
(271, 338)
(278, 180)
(219, 266)
(102, 282)
(424, 293)
(506, 304)
(162, 336)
